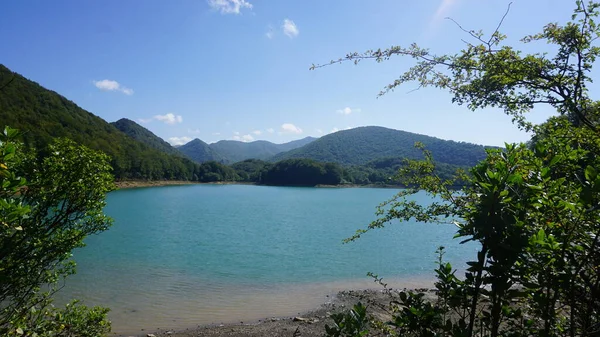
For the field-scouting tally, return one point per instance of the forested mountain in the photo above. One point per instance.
(137, 153)
(200, 152)
(361, 145)
(42, 115)
(234, 151)
(294, 144)
(143, 135)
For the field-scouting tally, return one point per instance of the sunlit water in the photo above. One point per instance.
(181, 256)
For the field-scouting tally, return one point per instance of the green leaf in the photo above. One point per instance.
(590, 173)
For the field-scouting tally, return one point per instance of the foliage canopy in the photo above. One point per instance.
(47, 207)
(533, 209)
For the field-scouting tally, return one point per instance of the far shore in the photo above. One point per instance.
(123, 184)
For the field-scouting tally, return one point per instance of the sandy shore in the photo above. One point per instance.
(306, 324)
(157, 183)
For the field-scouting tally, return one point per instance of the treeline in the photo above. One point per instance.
(308, 172)
(135, 153)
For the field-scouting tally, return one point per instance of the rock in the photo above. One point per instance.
(150, 335)
(300, 319)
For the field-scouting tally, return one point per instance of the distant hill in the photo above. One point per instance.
(200, 152)
(42, 115)
(234, 151)
(145, 136)
(361, 145)
(294, 144)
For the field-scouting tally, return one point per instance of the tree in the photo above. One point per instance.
(534, 210)
(47, 207)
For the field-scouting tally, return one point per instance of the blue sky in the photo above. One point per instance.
(239, 69)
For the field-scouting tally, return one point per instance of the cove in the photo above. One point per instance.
(179, 256)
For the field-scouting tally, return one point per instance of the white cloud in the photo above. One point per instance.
(290, 29)
(110, 85)
(347, 110)
(236, 133)
(229, 6)
(271, 130)
(167, 119)
(257, 132)
(244, 138)
(179, 140)
(319, 131)
(216, 134)
(194, 132)
(270, 32)
(290, 128)
(334, 130)
(348, 128)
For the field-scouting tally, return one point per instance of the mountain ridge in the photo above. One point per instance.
(143, 135)
(200, 152)
(363, 144)
(235, 151)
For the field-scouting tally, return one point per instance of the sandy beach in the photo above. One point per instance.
(305, 324)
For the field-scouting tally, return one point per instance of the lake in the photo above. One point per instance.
(180, 256)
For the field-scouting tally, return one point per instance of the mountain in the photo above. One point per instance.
(42, 115)
(294, 144)
(200, 152)
(143, 135)
(234, 151)
(361, 145)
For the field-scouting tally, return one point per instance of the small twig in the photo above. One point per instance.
(470, 32)
(500, 23)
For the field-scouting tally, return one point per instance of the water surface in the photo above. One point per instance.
(179, 256)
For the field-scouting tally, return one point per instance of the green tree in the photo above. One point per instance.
(534, 210)
(47, 207)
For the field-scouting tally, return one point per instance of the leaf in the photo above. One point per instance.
(19, 331)
(555, 160)
(590, 173)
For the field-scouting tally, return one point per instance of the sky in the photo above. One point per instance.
(239, 69)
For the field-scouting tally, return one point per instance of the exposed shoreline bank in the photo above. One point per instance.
(307, 324)
(126, 184)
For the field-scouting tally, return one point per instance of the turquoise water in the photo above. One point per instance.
(201, 254)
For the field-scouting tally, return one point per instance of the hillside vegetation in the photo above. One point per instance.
(43, 115)
(145, 136)
(367, 155)
(200, 152)
(361, 145)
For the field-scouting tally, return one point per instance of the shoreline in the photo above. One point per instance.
(128, 184)
(309, 323)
